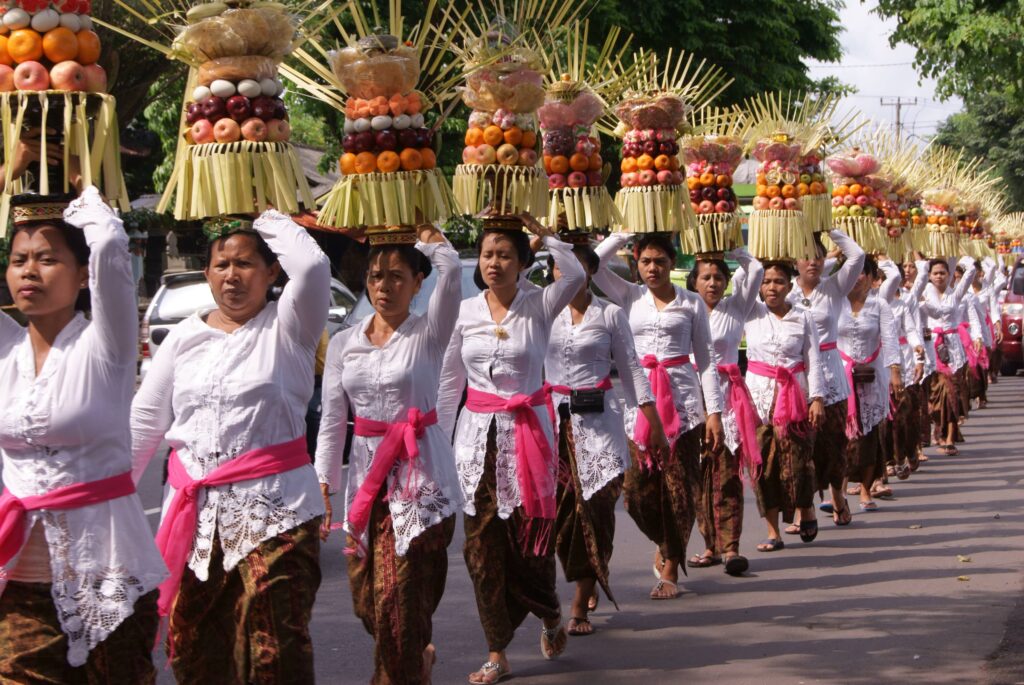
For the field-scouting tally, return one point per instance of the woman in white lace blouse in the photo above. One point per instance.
(669, 325)
(504, 445)
(587, 337)
(78, 567)
(399, 505)
(228, 390)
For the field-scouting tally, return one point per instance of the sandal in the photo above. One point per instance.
(843, 517)
(826, 507)
(771, 545)
(574, 627)
(950, 450)
(808, 530)
(548, 637)
(903, 472)
(868, 506)
(485, 674)
(792, 529)
(702, 561)
(736, 565)
(662, 584)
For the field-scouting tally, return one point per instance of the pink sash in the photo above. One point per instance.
(549, 390)
(964, 331)
(400, 442)
(661, 388)
(178, 529)
(13, 510)
(747, 420)
(940, 337)
(853, 429)
(790, 403)
(829, 346)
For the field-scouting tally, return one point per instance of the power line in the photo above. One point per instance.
(898, 104)
(859, 66)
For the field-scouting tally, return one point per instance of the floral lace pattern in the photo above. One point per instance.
(600, 457)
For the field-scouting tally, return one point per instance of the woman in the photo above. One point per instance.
(400, 504)
(823, 297)
(914, 282)
(504, 440)
(586, 338)
(940, 304)
(784, 374)
(720, 515)
(979, 298)
(228, 390)
(72, 612)
(994, 318)
(669, 325)
(870, 352)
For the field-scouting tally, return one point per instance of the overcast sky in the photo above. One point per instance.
(878, 71)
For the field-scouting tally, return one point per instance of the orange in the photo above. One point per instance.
(856, 189)
(411, 159)
(560, 164)
(547, 164)
(579, 162)
(514, 136)
(595, 162)
(817, 188)
(693, 182)
(529, 139)
(628, 165)
(5, 57)
(802, 189)
(366, 163)
(474, 136)
(773, 191)
(707, 179)
(762, 179)
(661, 162)
(387, 161)
(25, 45)
(788, 190)
(60, 45)
(88, 47)
(429, 158)
(348, 163)
(762, 190)
(645, 162)
(493, 135)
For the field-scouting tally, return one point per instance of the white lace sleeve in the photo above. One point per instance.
(330, 446)
(635, 386)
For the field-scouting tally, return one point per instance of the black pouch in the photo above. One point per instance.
(942, 353)
(587, 401)
(863, 374)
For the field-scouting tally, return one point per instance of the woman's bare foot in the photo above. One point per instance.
(429, 659)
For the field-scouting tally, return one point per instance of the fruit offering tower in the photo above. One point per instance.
(50, 80)
(652, 114)
(904, 220)
(710, 156)
(857, 197)
(954, 187)
(940, 216)
(386, 83)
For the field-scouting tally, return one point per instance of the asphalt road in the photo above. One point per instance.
(922, 590)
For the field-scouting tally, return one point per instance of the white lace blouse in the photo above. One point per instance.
(908, 326)
(824, 305)
(581, 356)
(940, 310)
(69, 424)
(786, 342)
(383, 384)
(681, 328)
(504, 359)
(218, 395)
(861, 334)
(726, 321)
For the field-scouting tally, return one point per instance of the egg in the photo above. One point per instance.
(381, 122)
(46, 20)
(222, 88)
(17, 18)
(268, 87)
(249, 88)
(201, 94)
(417, 120)
(402, 121)
(86, 21)
(362, 125)
(71, 22)
(349, 126)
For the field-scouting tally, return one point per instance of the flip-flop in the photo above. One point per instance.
(736, 565)
(662, 583)
(771, 545)
(488, 668)
(826, 507)
(808, 530)
(792, 529)
(702, 561)
(903, 472)
(868, 506)
(547, 639)
(574, 623)
(843, 517)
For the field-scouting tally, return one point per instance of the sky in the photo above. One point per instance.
(880, 71)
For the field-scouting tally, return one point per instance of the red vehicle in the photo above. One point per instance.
(1011, 312)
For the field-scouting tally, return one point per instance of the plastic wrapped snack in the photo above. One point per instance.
(262, 31)
(370, 72)
(518, 90)
(236, 69)
(663, 111)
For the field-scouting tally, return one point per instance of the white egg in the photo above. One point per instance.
(362, 125)
(417, 120)
(249, 88)
(222, 88)
(349, 126)
(71, 22)
(17, 18)
(86, 21)
(280, 86)
(201, 94)
(402, 121)
(46, 20)
(381, 122)
(268, 87)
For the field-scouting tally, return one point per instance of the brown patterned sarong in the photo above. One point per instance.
(962, 381)
(943, 405)
(585, 528)
(250, 624)
(978, 383)
(898, 435)
(508, 584)
(663, 500)
(924, 417)
(787, 477)
(720, 512)
(864, 462)
(396, 597)
(34, 649)
(829, 452)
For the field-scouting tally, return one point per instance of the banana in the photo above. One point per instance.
(205, 11)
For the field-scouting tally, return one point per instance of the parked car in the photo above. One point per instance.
(183, 293)
(1011, 315)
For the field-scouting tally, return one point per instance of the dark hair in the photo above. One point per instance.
(870, 267)
(691, 278)
(261, 246)
(519, 240)
(932, 263)
(586, 254)
(659, 241)
(785, 267)
(903, 274)
(75, 239)
(407, 254)
(819, 247)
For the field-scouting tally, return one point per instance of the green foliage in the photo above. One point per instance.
(308, 126)
(163, 117)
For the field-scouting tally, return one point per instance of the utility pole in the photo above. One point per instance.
(899, 103)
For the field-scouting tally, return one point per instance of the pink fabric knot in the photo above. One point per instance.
(964, 331)
(940, 339)
(661, 388)
(853, 428)
(790, 410)
(747, 420)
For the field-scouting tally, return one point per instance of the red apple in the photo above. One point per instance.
(407, 137)
(227, 131)
(202, 132)
(706, 207)
(595, 178)
(363, 141)
(255, 129)
(193, 113)
(386, 140)
(722, 206)
(577, 179)
(647, 177)
(31, 76)
(665, 177)
(263, 107)
(68, 75)
(213, 109)
(95, 79)
(527, 157)
(6, 78)
(279, 131)
(556, 181)
(238, 107)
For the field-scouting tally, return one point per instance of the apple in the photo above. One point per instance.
(67, 75)
(279, 131)
(385, 140)
(837, 201)
(723, 207)
(238, 107)
(791, 203)
(31, 75)
(95, 78)
(254, 129)
(577, 179)
(695, 195)
(227, 130)
(870, 211)
(408, 138)
(193, 113)
(706, 207)
(647, 177)
(348, 143)
(665, 177)
(213, 108)
(650, 147)
(527, 157)
(556, 181)
(469, 154)
(628, 179)
(707, 193)
(424, 138)
(840, 211)
(202, 132)
(776, 203)
(856, 210)
(760, 203)
(6, 79)
(849, 200)
(363, 141)
(595, 178)
(263, 107)
(805, 178)
(863, 200)
(724, 194)
(485, 154)
(280, 111)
